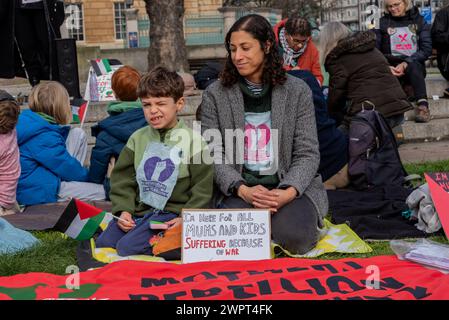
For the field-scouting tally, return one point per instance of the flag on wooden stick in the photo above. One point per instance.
(80, 220)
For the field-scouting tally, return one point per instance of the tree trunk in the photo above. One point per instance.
(167, 43)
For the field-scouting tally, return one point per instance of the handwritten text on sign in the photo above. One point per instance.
(213, 235)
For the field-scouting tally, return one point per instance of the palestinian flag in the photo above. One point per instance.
(79, 112)
(101, 66)
(80, 220)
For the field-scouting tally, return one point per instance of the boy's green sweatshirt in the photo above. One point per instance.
(193, 188)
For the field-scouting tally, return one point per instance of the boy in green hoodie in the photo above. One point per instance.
(156, 176)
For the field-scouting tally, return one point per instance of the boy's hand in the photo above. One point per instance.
(174, 223)
(129, 224)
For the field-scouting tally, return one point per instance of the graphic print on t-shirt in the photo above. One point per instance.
(258, 150)
(403, 41)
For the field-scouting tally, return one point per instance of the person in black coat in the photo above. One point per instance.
(405, 39)
(28, 30)
(440, 40)
(333, 143)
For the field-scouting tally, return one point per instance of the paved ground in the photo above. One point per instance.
(424, 152)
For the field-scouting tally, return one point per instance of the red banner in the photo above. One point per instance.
(376, 278)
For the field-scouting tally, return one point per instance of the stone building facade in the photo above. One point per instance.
(102, 22)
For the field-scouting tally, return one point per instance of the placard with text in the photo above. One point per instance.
(217, 235)
(439, 190)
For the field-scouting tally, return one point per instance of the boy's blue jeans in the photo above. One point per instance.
(136, 241)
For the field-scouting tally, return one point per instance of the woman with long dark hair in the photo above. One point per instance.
(259, 102)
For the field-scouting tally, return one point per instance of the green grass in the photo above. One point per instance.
(55, 253)
(421, 168)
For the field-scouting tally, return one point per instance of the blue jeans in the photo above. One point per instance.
(137, 240)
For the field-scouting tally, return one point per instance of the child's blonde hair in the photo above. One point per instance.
(52, 99)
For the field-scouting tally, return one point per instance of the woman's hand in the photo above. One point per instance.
(127, 222)
(402, 67)
(395, 71)
(258, 196)
(285, 196)
(174, 223)
(399, 70)
(261, 197)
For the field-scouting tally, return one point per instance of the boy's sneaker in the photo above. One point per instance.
(422, 112)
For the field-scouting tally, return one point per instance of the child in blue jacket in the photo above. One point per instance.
(51, 155)
(112, 133)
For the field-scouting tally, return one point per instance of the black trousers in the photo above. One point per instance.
(33, 40)
(294, 227)
(415, 75)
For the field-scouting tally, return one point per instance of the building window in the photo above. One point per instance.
(120, 19)
(75, 20)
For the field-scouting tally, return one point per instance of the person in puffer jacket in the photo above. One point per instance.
(112, 133)
(358, 73)
(405, 39)
(51, 154)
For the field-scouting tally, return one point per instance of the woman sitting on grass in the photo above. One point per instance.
(257, 97)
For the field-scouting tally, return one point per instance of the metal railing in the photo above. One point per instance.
(198, 30)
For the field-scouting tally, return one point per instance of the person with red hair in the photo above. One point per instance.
(112, 133)
(124, 84)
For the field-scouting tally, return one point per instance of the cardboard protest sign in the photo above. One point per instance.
(214, 235)
(439, 188)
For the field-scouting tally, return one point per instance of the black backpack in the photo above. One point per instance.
(207, 74)
(374, 159)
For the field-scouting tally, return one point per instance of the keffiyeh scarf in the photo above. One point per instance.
(290, 56)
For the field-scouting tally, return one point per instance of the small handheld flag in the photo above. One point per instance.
(80, 220)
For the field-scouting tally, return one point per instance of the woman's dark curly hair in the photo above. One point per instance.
(261, 30)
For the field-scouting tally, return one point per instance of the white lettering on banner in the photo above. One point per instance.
(214, 235)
